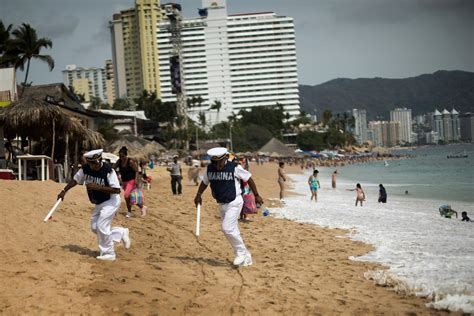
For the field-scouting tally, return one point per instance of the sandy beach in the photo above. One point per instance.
(298, 268)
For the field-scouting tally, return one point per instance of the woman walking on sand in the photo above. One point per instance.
(314, 185)
(360, 194)
(130, 176)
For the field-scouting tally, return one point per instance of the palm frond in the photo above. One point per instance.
(47, 59)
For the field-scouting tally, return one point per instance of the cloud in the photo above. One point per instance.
(57, 26)
(369, 12)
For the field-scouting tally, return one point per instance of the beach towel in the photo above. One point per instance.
(137, 197)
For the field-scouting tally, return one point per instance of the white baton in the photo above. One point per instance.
(198, 219)
(52, 210)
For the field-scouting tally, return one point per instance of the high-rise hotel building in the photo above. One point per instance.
(360, 128)
(403, 115)
(134, 49)
(91, 82)
(242, 61)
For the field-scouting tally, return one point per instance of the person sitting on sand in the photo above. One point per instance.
(314, 185)
(382, 194)
(360, 196)
(465, 218)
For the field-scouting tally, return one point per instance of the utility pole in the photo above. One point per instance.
(173, 13)
(197, 139)
(231, 142)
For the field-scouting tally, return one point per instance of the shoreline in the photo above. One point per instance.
(390, 274)
(298, 268)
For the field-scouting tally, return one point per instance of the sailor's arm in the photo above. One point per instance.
(200, 191)
(253, 187)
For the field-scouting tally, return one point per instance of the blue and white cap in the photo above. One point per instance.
(217, 153)
(94, 154)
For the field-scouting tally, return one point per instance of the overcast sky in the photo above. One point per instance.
(334, 38)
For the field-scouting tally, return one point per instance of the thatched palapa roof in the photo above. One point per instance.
(35, 118)
(276, 148)
(138, 147)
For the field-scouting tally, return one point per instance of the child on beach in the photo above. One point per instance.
(314, 185)
(360, 196)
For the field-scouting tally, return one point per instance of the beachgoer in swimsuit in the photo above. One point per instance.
(281, 180)
(314, 185)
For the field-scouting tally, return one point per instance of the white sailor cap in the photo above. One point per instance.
(94, 154)
(217, 153)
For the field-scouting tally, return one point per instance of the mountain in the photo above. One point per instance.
(422, 94)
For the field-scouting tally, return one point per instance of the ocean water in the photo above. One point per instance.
(426, 254)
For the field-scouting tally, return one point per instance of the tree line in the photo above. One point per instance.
(250, 129)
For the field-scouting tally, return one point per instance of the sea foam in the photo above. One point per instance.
(426, 254)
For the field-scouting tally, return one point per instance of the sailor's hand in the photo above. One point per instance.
(197, 199)
(61, 195)
(258, 199)
(93, 186)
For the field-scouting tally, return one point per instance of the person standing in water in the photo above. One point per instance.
(360, 196)
(382, 194)
(314, 185)
(333, 182)
(281, 180)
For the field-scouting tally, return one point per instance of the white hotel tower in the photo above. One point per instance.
(243, 61)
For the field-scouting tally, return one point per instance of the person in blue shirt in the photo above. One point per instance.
(224, 176)
(103, 189)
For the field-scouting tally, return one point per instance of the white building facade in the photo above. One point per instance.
(242, 61)
(92, 82)
(360, 129)
(447, 125)
(403, 115)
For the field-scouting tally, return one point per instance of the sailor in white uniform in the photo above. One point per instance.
(224, 177)
(103, 189)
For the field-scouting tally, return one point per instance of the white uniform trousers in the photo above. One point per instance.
(230, 214)
(101, 222)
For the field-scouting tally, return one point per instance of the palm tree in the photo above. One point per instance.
(217, 105)
(202, 119)
(8, 53)
(28, 46)
(4, 37)
(327, 116)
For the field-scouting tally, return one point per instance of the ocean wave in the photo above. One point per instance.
(426, 255)
(403, 286)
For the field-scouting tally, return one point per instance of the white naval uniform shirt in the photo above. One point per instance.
(239, 174)
(79, 177)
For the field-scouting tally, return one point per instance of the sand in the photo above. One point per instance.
(298, 268)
